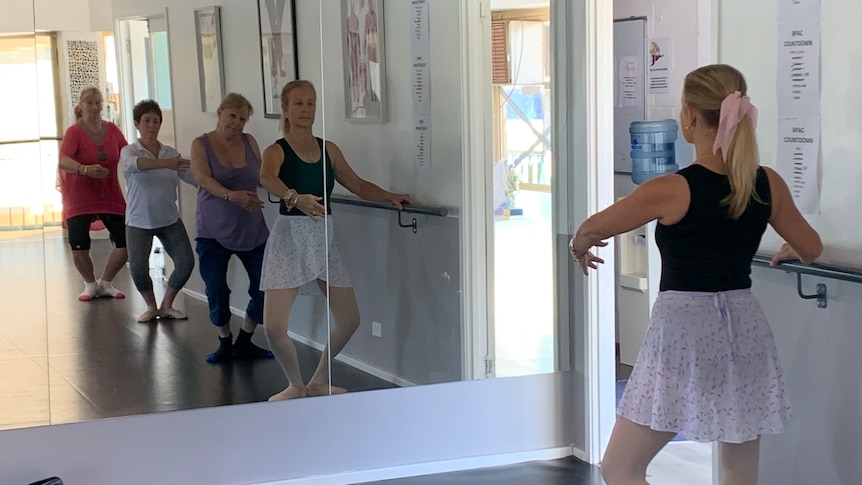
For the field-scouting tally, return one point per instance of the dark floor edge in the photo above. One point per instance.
(454, 465)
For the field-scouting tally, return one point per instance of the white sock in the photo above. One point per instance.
(89, 292)
(107, 289)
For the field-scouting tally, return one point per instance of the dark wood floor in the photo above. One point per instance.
(65, 361)
(566, 471)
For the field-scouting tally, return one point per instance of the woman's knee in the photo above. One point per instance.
(182, 272)
(141, 278)
(352, 321)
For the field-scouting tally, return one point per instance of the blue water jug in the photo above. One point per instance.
(653, 149)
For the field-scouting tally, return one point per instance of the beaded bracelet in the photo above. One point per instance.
(290, 198)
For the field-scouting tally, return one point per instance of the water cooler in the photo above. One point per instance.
(653, 149)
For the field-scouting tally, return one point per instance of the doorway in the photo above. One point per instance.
(523, 338)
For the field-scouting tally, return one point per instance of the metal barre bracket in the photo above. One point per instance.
(412, 224)
(820, 295)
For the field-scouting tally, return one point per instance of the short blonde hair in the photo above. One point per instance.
(236, 101)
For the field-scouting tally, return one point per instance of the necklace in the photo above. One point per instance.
(97, 133)
(305, 151)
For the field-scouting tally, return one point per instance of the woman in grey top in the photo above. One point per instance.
(153, 172)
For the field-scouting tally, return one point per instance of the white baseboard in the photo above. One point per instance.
(358, 364)
(430, 468)
(581, 455)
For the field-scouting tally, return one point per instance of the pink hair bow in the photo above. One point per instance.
(734, 107)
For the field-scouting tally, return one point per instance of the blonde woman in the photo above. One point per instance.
(229, 219)
(708, 367)
(90, 189)
(302, 255)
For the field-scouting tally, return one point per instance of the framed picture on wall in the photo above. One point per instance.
(277, 21)
(210, 64)
(364, 65)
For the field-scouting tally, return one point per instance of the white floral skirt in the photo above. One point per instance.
(708, 369)
(299, 252)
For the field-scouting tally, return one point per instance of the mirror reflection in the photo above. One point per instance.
(24, 388)
(303, 254)
(146, 198)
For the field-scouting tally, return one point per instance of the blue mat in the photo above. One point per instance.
(621, 385)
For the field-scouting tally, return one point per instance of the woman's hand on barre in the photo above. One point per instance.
(398, 200)
(785, 253)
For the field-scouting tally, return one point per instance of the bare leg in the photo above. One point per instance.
(276, 312)
(152, 312)
(739, 462)
(249, 325)
(116, 260)
(224, 331)
(84, 264)
(345, 313)
(168, 299)
(149, 299)
(167, 310)
(632, 446)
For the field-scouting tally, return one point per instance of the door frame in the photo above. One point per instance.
(582, 35)
(121, 34)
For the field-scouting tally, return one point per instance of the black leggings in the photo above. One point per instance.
(79, 229)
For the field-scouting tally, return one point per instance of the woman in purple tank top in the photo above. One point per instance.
(229, 221)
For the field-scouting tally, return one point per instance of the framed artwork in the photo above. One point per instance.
(277, 21)
(210, 64)
(364, 60)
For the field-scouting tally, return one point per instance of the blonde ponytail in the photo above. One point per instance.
(705, 89)
(742, 162)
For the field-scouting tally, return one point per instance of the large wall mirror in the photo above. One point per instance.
(24, 392)
(393, 307)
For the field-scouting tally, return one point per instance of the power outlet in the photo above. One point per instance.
(376, 329)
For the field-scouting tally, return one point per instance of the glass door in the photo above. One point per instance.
(523, 211)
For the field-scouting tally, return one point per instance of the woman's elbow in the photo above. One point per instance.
(810, 253)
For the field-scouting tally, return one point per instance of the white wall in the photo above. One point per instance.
(819, 349)
(72, 15)
(749, 32)
(17, 17)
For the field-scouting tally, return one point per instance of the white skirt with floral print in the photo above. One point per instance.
(299, 252)
(708, 369)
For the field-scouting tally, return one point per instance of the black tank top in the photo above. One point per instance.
(304, 177)
(707, 250)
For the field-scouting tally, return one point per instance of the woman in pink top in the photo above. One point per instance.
(89, 156)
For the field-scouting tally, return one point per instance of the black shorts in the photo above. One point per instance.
(79, 229)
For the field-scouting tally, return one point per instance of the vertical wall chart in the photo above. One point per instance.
(798, 90)
(421, 44)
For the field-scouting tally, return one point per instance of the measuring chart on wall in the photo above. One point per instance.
(798, 89)
(421, 47)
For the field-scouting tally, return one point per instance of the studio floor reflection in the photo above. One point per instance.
(100, 361)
